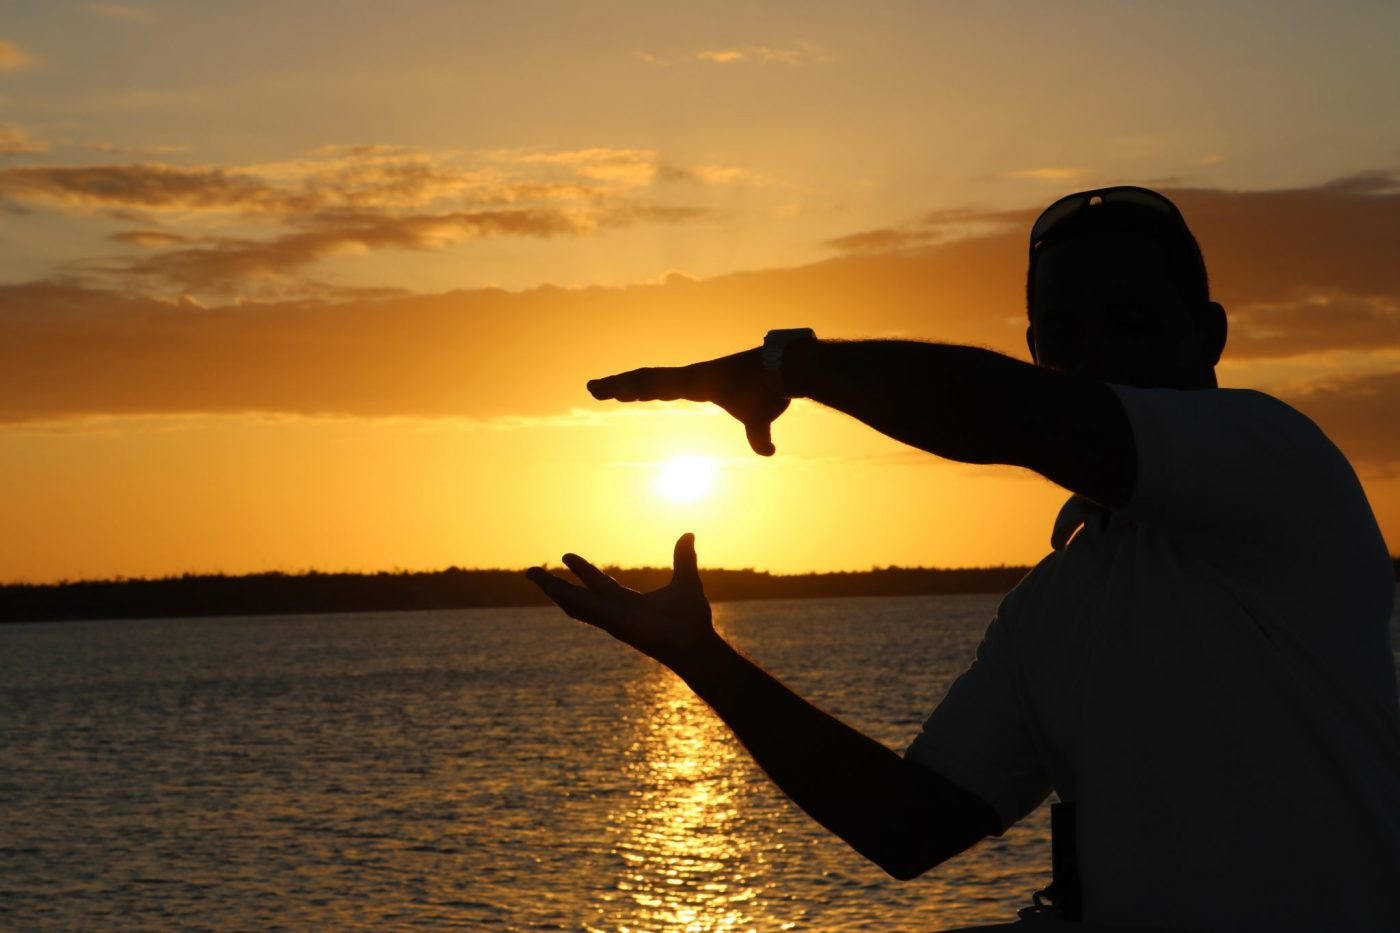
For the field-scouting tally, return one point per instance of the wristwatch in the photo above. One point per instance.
(774, 343)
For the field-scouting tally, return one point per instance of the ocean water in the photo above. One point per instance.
(502, 769)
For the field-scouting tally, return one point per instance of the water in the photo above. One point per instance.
(487, 769)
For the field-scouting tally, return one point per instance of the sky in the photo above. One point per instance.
(317, 285)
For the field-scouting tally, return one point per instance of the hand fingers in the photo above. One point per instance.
(685, 566)
(760, 435)
(592, 577)
(660, 383)
(575, 600)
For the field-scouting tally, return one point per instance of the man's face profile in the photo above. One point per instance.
(1106, 308)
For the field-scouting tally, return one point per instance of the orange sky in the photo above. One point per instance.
(326, 295)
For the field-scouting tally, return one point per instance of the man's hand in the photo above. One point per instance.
(734, 383)
(671, 624)
(897, 813)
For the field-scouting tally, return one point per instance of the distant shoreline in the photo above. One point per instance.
(213, 595)
(208, 595)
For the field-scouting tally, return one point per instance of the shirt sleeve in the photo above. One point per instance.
(1235, 471)
(979, 737)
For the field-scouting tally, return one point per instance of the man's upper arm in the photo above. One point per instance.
(1076, 433)
(1237, 473)
(978, 736)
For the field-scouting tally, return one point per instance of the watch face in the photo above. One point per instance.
(773, 343)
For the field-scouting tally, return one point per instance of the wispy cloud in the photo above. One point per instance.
(1359, 413)
(628, 167)
(1315, 323)
(149, 186)
(882, 240)
(156, 149)
(12, 58)
(15, 140)
(348, 199)
(714, 175)
(935, 227)
(1048, 174)
(721, 56)
(800, 52)
(361, 177)
(223, 263)
(150, 237)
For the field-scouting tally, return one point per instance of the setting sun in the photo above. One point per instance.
(685, 479)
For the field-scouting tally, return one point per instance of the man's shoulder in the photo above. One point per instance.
(1224, 402)
(1215, 429)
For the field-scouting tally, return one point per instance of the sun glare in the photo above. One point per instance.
(685, 479)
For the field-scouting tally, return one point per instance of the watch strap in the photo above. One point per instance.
(775, 342)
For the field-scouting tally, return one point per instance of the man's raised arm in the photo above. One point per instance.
(963, 403)
(895, 812)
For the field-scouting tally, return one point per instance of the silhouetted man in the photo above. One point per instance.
(1202, 664)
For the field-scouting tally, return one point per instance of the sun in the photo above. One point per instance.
(685, 479)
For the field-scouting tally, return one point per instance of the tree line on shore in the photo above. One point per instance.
(201, 595)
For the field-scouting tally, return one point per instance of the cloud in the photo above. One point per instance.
(11, 57)
(1050, 174)
(713, 175)
(345, 199)
(1301, 271)
(884, 240)
(800, 52)
(345, 178)
(628, 167)
(148, 186)
(67, 351)
(1279, 247)
(1360, 415)
(156, 149)
(1315, 323)
(721, 56)
(934, 227)
(224, 263)
(14, 140)
(150, 237)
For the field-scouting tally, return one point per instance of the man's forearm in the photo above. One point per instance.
(974, 406)
(894, 812)
(959, 402)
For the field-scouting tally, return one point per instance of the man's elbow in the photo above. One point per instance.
(906, 871)
(908, 863)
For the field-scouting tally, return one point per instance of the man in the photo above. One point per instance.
(1202, 665)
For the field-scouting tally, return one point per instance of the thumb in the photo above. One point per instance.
(760, 434)
(685, 567)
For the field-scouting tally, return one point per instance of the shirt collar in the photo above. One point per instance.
(1073, 515)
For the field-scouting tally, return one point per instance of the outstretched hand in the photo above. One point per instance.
(669, 624)
(734, 383)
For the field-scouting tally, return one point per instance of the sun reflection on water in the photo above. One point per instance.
(681, 861)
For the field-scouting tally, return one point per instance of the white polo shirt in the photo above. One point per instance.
(1207, 674)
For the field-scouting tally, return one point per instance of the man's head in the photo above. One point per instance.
(1117, 290)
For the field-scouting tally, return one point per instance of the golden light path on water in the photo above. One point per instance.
(694, 837)
(681, 858)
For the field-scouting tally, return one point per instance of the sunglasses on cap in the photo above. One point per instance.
(1122, 194)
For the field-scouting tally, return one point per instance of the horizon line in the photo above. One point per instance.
(456, 568)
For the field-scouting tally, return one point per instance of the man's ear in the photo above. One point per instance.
(1030, 343)
(1212, 328)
